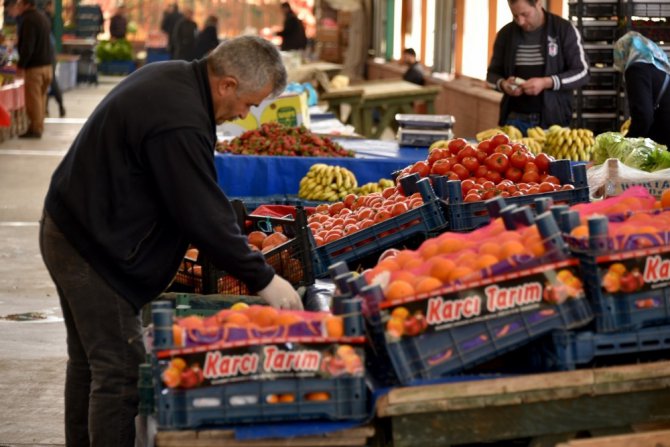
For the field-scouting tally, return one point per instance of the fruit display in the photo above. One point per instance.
(511, 131)
(275, 139)
(332, 222)
(327, 183)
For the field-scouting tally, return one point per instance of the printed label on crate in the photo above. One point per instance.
(637, 271)
(262, 362)
(496, 298)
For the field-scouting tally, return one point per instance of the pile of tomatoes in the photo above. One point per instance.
(493, 167)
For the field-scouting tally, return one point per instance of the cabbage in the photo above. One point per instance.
(639, 153)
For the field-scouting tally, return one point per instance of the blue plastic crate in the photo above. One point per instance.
(247, 402)
(462, 216)
(390, 233)
(570, 349)
(157, 55)
(496, 315)
(637, 304)
(117, 68)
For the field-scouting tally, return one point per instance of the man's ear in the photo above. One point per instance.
(226, 84)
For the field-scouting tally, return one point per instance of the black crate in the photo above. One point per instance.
(605, 101)
(659, 8)
(599, 31)
(603, 79)
(579, 8)
(599, 54)
(599, 122)
(658, 31)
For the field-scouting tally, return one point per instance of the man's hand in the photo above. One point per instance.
(281, 294)
(510, 88)
(535, 86)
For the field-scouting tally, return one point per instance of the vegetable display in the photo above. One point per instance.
(275, 139)
(639, 153)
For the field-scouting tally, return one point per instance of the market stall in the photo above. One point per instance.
(247, 175)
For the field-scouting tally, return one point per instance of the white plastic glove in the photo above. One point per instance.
(281, 294)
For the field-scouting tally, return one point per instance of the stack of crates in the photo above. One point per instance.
(597, 105)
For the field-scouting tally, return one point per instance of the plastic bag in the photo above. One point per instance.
(613, 177)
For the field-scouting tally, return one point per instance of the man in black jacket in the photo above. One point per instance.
(137, 186)
(170, 18)
(293, 35)
(35, 61)
(538, 60)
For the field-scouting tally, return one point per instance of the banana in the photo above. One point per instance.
(624, 127)
(438, 144)
(326, 183)
(571, 144)
(488, 133)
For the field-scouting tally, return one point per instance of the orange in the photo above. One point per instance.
(287, 318)
(400, 313)
(272, 399)
(404, 276)
(177, 335)
(265, 317)
(490, 248)
(237, 319)
(451, 245)
(273, 240)
(413, 263)
(459, 273)
(405, 256)
(467, 258)
(428, 284)
(580, 231)
(440, 268)
(286, 398)
(178, 363)
(486, 260)
(665, 199)
(191, 322)
(334, 326)
(256, 238)
(508, 236)
(399, 289)
(317, 395)
(429, 249)
(511, 248)
(390, 265)
(171, 377)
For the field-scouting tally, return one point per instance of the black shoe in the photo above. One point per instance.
(62, 111)
(29, 134)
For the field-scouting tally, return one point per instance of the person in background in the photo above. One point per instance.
(538, 60)
(54, 88)
(135, 189)
(414, 73)
(647, 78)
(118, 24)
(208, 38)
(171, 16)
(35, 64)
(293, 35)
(183, 37)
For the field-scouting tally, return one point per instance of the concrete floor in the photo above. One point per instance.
(33, 354)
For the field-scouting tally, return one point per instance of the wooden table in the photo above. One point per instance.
(384, 96)
(546, 406)
(226, 438)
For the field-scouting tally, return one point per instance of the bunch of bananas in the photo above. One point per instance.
(512, 132)
(533, 145)
(624, 127)
(439, 144)
(537, 133)
(327, 183)
(371, 187)
(571, 144)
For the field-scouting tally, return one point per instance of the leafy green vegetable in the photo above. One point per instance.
(639, 153)
(118, 50)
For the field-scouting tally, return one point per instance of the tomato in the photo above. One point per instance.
(552, 179)
(467, 185)
(323, 208)
(546, 187)
(485, 146)
(456, 145)
(494, 177)
(497, 162)
(481, 171)
(480, 156)
(530, 176)
(349, 200)
(382, 215)
(520, 147)
(461, 171)
(437, 154)
(514, 174)
(441, 167)
(531, 166)
(542, 161)
(351, 228)
(421, 168)
(467, 151)
(470, 163)
(533, 190)
(499, 139)
(415, 203)
(503, 149)
(388, 192)
(518, 159)
(505, 194)
(488, 184)
(398, 208)
(490, 193)
(472, 197)
(482, 180)
(451, 175)
(517, 193)
(335, 208)
(567, 187)
(365, 223)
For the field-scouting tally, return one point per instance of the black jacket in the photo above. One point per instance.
(118, 25)
(34, 42)
(414, 74)
(293, 34)
(565, 62)
(183, 39)
(643, 85)
(139, 184)
(206, 41)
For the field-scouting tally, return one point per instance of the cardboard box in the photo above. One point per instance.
(288, 109)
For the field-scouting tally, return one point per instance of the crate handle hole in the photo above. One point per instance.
(650, 343)
(206, 402)
(242, 400)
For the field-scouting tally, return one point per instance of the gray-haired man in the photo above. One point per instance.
(136, 187)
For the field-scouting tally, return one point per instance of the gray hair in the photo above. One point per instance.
(253, 61)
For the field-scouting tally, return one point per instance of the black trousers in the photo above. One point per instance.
(104, 346)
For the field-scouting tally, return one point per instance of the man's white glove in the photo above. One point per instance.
(281, 294)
